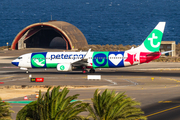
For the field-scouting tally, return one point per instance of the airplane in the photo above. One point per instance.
(90, 60)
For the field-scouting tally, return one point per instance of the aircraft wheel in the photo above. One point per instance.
(85, 71)
(92, 71)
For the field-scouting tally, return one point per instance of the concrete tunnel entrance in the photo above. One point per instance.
(47, 38)
(52, 34)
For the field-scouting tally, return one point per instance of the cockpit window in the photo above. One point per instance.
(19, 58)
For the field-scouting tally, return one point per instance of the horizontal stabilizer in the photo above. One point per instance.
(166, 52)
(154, 54)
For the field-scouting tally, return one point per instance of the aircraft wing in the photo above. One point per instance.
(83, 61)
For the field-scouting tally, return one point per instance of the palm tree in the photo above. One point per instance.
(114, 106)
(5, 113)
(53, 106)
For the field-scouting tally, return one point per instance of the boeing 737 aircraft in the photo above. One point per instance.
(69, 61)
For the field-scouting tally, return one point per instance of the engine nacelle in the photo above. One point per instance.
(64, 67)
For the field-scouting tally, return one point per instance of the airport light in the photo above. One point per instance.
(7, 45)
(30, 76)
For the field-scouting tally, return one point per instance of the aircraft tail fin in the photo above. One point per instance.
(153, 42)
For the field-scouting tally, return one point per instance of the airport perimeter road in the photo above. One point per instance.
(152, 84)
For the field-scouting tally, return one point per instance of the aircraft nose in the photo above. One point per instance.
(15, 63)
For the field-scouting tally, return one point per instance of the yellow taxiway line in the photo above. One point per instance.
(6, 77)
(169, 102)
(163, 111)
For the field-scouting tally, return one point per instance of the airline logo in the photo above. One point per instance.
(62, 67)
(108, 59)
(38, 60)
(66, 56)
(153, 41)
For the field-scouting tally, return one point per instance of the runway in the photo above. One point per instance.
(136, 81)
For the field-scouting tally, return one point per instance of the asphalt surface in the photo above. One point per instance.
(163, 110)
(159, 97)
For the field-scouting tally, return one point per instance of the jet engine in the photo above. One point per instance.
(64, 67)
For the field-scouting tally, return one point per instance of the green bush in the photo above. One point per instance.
(114, 106)
(53, 106)
(5, 113)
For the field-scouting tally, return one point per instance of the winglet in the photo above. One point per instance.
(87, 54)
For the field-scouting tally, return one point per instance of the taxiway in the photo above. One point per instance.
(136, 81)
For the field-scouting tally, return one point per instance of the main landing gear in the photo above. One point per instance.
(85, 71)
(92, 70)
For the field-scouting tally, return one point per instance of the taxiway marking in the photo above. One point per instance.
(10, 67)
(114, 83)
(169, 102)
(160, 69)
(163, 111)
(14, 79)
(6, 77)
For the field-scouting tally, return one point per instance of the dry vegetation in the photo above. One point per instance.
(5, 47)
(127, 47)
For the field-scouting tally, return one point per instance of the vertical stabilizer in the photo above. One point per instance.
(153, 42)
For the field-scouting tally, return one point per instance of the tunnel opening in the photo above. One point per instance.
(46, 37)
(53, 34)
